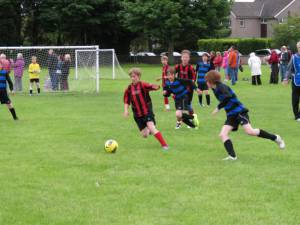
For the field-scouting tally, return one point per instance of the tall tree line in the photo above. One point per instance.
(111, 23)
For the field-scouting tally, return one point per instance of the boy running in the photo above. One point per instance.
(202, 68)
(34, 75)
(186, 71)
(165, 67)
(137, 95)
(237, 115)
(178, 87)
(4, 99)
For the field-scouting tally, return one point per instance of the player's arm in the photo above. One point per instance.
(194, 75)
(31, 69)
(10, 83)
(151, 87)
(126, 103)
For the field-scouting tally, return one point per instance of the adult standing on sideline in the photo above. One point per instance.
(233, 64)
(65, 71)
(293, 74)
(273, 61)
(52, 64)
(18, 66)
(254, 63)
(284, 61)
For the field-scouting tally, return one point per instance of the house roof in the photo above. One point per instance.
(259, 8)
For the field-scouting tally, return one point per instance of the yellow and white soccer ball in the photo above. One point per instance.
(111, 146)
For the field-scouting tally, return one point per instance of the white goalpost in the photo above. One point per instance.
(98, 63)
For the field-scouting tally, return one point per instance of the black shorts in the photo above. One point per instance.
(190, 95)
(142, 121)
(4, 99)
(182, 103)
(202, 86)
(236, 120)
(35, 80)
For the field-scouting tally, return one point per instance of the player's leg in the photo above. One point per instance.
(145, 132)
(188, 119)
(30, 87)
(166, 101)
(263, 134)
(12, 110)
(295, 100)
(207, 97)
(157, 134)
(224, 136)
(190, 108)
(200, 97)
(178, 114)
(37, 83)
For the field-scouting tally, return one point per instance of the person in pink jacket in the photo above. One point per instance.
(225, 64)
(18, 66)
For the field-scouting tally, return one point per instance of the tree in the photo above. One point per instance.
(173, 22)
(287, 33)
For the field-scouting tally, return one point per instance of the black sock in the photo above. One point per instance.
(187, 120)
(39, 90)
(30, 92)
(200, 99)
(229, 148)
(266, 135)
(13, 113)
(208, 99)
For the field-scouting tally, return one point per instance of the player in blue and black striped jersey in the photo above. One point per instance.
(181, 88)
(202, 68)
(4, 99)
(237, 114)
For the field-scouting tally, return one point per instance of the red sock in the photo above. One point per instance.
(160, 138)
(166, 101)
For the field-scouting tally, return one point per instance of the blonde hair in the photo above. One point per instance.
(185, 51)
(136, 71)
(19, 56)
(68, 57)
(218, 53)
(164, 57)
(34, 58)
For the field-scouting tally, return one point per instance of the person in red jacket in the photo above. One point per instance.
(274, 61)
(218, 61)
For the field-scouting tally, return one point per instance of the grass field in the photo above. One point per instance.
(54, 171)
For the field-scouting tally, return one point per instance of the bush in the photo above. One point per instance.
(244, 45)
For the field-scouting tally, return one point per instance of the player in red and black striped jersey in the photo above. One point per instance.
(163, 78)
(137, 95)
(186, 71)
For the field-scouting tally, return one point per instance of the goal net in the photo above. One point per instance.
(58, 69)
(102, 63)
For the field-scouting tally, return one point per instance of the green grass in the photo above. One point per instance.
(54, 171)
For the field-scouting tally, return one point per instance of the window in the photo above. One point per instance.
(242, 23)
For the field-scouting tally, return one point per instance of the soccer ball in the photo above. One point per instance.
(111, 146)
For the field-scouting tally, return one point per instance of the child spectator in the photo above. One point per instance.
(254, 63)
(218, 61)
(225, 65)
(34, 75)
(18, 66)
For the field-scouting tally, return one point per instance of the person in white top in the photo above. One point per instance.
(254, 63)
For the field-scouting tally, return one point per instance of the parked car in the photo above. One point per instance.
(167, 53)
(145, 54)
(198, 53)
(266, 52)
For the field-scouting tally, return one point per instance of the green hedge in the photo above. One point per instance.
(244, 45)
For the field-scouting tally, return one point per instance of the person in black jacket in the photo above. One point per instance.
(52, 65)
(65, 71)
